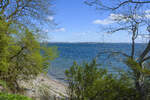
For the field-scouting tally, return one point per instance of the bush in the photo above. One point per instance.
(5, 96)
(89, 82)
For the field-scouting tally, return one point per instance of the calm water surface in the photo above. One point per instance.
(85, 52)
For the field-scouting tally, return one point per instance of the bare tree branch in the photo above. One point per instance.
(146, 1)
(119, 5)
(145, 59)
(18, 9)
(118, 29)
(145, 52)
(6, 3)
(130, 1)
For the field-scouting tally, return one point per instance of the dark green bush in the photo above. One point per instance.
(89, 82)
(5, 96)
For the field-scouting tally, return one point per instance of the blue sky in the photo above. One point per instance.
(78, 22)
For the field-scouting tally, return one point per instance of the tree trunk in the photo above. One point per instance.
(141, 88)
(140, 85)
(145, 52)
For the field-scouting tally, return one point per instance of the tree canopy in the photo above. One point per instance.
(22, 56)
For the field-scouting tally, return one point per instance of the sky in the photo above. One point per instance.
(78, 22)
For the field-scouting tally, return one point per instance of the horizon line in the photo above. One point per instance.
(93, 42)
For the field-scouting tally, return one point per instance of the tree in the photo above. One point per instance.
(22, 56)
(26, 11)
(130, 20)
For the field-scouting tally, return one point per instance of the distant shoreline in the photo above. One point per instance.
(94, 43)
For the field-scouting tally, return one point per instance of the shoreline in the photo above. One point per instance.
(45, 86)
(57, 80)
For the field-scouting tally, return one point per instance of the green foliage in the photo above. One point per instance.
(3, 46)
(136, 67)
(12, 97)
(20, 54)
(20, 49)
(89, 82)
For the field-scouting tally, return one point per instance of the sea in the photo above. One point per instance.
(86, 52)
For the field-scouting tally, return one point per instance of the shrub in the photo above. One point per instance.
(89, 82)
(5, 96)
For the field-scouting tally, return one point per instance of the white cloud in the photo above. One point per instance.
(147, 15)
(115, 17)
(46, 30)
(103, 22)
(50, 18)
(120, 17)
(60, 30)
(112, 18)
(144, 36)
(147, 11)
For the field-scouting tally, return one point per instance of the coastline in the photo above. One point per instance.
(57, 80)
(44, 86)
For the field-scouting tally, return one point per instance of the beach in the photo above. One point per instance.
(45, 86)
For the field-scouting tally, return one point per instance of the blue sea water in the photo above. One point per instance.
(86, 52)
